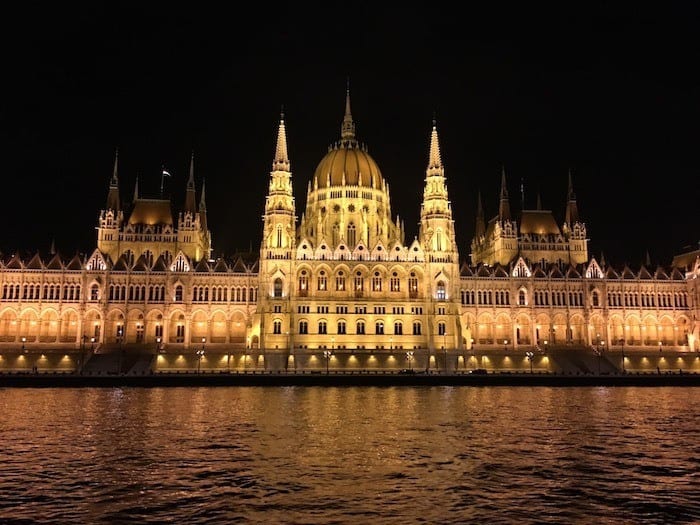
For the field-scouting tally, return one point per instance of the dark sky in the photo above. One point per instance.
(612, 94)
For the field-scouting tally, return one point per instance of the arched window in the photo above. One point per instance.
(379, 328)
(277, 326)
(398, 328)
(360, 328)
(94, 293)
(322, 280)
(377, 282)
(277, 288)
(442, 328)
(416, 328)
(341, 327)
(521, 298)
(340, 281)
(303, 283)
(178, 293)
(336, 235)
(351, 235)
(322, 327)
(303, 327)
(395, 285)
(441, 293)
(279, 236)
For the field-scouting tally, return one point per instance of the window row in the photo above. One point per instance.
(37, 292)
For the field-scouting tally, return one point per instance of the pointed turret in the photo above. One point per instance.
(281, 160)
(279, 216)
(136, 189)
(113, 202)
(539, 202)
(437, 227)
(203, 209)
(480, 226)
(190, 205)
(571, 205)
(504, 204)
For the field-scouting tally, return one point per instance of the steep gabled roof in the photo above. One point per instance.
(644, 273)
(121, 265)
(221, 266)
(661, 274)
(202, 267)
(35, 263)
(160, 265)
(466, 271)
(55, 263)
(75, 263)
(141, 265)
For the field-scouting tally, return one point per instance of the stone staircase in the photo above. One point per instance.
(580, 360)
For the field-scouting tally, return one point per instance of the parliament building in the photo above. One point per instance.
(337, 285)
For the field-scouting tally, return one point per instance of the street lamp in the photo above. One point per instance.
(530, 355)
(476, 361)
(24, 340)
(545, 345)
(409, 356)
(599, 352)
(82, 353)
(327, 354)
(622, 345)
(505, 345)
(199, 353)
(660, 346)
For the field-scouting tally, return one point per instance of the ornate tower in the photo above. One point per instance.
(112, 216)
(437, 238)
(574, 230)
(277, 248)
(192, 237)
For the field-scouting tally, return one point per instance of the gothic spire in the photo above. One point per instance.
(190, 193)
(480, 220)
(281, 161)
(136, 189)
(504, 204)
(571, 205)
(203, 209)
(113, 195)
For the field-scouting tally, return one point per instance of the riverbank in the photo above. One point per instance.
(51, 380)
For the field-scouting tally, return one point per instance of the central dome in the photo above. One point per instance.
(346, 164)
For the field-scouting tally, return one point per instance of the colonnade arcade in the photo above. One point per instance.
(118, 327)
(501, 330)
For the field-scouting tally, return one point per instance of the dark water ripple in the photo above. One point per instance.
(297, 455)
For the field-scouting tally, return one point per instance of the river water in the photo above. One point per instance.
(360, 455)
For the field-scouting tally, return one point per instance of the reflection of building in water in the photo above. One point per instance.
(342, 276)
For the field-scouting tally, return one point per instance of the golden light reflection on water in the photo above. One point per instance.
(350, 455)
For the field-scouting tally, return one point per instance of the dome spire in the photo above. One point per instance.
(281, 162)
(348, 128)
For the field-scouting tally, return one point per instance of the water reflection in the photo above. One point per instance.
(350, 455)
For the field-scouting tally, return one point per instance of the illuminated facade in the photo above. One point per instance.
(341, 282)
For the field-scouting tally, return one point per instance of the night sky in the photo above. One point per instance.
(611, 94)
